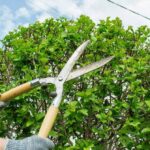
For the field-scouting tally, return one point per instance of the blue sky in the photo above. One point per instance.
(24, 12)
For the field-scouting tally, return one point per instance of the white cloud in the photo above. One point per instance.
(129, 18)
(6, 20)
(22, 12)
(43, 16)
(64, 7)
(26, 24)
(39, 6)
(143, 7)
(96, 9)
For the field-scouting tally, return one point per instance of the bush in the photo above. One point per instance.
(104, 109)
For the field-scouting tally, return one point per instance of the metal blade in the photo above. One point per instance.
(88, 68)
(72, 60)
(81, 71)
(45, 81)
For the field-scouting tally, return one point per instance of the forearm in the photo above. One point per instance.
(2, 143)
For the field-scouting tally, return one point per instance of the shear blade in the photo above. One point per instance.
(81, 71)
(88, 68)
(72, 60)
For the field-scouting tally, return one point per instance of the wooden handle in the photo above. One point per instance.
(48, 121)
(15, 91)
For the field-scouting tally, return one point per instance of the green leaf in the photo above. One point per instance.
(84, 112)
(134, 123)
(39, 116)
(43, 59)
(145, 130)
(53, 133)
(148, 103)
(102, 117)
(72, 106)
(125, 105)
(29, 123)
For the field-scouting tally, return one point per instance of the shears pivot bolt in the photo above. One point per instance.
(60, 78)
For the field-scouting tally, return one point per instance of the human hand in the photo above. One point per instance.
(30, 143)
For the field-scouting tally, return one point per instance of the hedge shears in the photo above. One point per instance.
(66, 74)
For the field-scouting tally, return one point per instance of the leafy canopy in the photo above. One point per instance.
(106, 108)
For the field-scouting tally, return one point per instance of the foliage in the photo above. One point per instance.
(104, 109)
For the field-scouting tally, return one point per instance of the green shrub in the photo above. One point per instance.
(106, 108)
